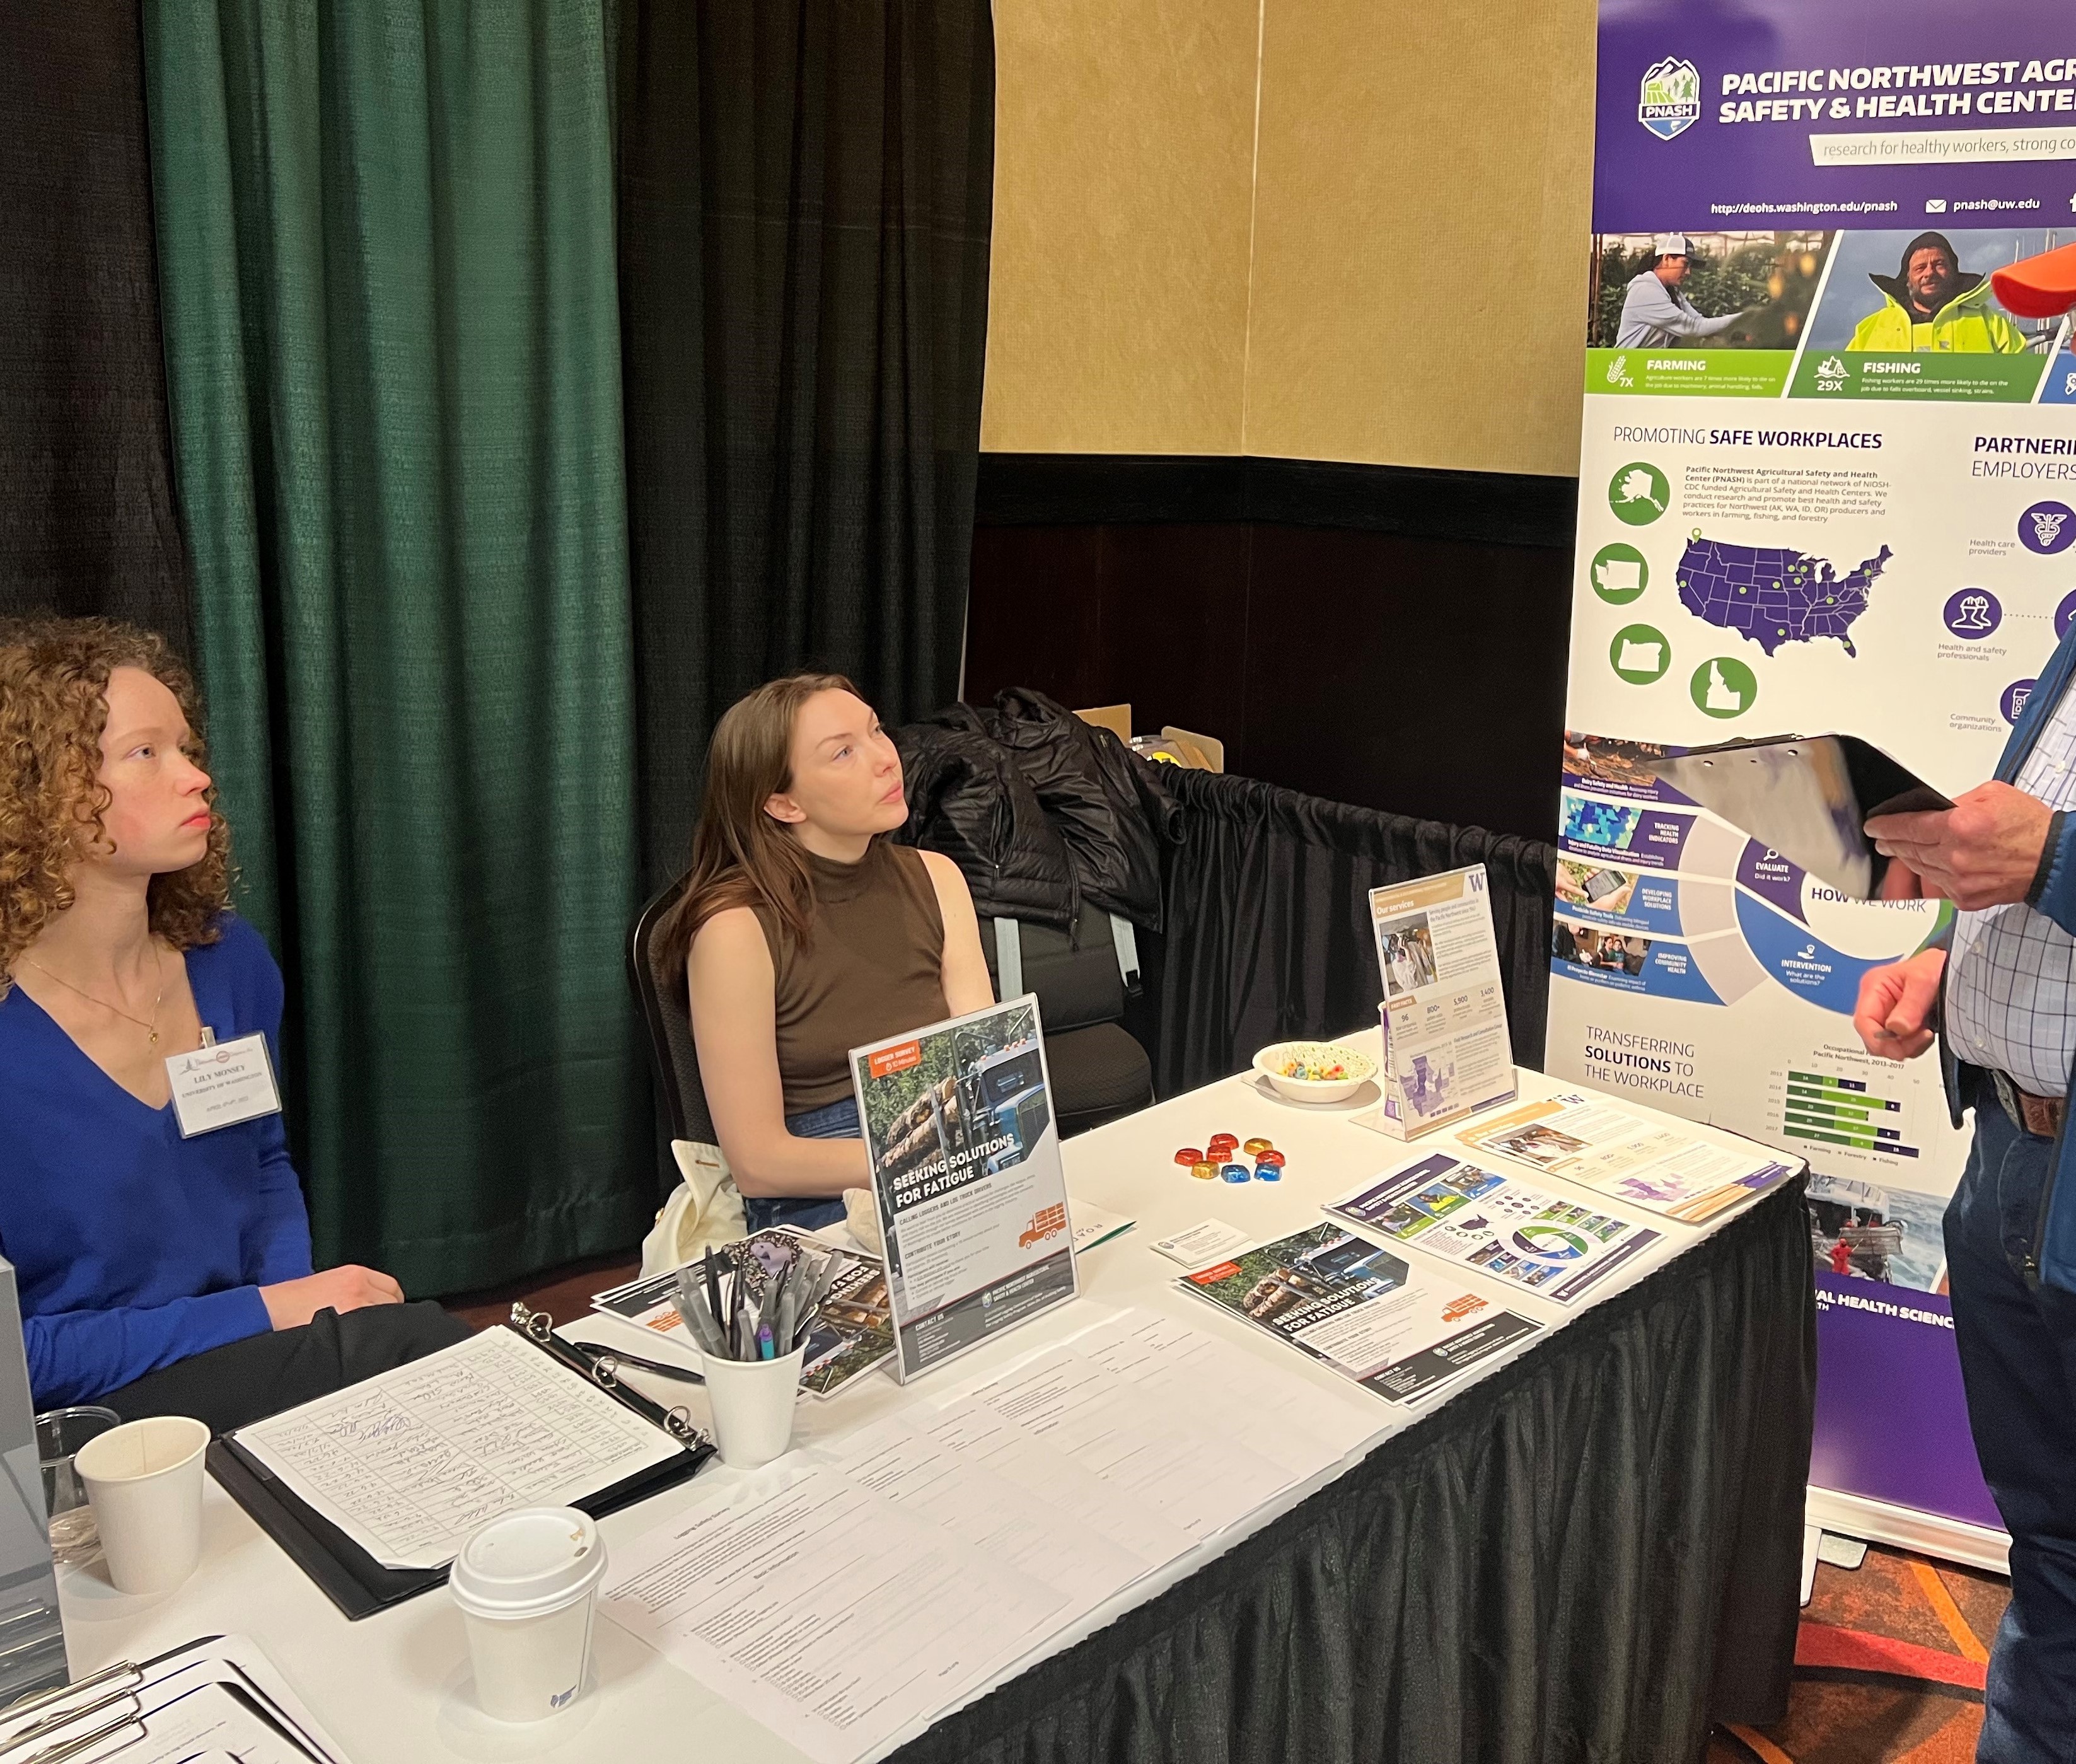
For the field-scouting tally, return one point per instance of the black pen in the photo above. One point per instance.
(593, 1351)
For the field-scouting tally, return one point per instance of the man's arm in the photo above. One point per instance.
(2005, 337)
(1668, 312)
(2054, 885)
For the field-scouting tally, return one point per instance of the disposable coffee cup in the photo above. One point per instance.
(526, 1584)
(143, 1481)
(752, 1406)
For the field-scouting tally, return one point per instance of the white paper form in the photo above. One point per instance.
(1201, 1478)
(833, 1618)
(1044, 1472)
(961, 1495)
(1203, 1244)
(1286, 1419)
(408, 1464)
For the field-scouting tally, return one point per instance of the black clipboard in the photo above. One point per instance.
(359, 1585)
(1806, 797)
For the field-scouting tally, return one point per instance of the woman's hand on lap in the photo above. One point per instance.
(291, 1304)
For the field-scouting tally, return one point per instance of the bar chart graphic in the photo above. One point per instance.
(1835, 1111)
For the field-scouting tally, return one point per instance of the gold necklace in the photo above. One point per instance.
(152, 1026)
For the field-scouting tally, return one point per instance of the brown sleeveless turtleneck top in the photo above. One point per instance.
(874, 968)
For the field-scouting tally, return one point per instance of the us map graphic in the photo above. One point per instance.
(1773, 594)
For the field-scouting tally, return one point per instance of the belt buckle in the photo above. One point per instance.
(2040, 1116)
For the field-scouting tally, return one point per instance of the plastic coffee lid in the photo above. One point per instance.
(529, 1562)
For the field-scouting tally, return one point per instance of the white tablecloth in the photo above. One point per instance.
(393, 1686)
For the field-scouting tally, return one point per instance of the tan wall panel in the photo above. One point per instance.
(1117, 307)
(1421, 244)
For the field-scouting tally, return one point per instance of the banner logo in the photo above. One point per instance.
(890, 1061)
(1670, 102)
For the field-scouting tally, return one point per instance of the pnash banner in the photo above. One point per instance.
(1825, 484)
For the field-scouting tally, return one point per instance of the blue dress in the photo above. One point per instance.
(134, 1249)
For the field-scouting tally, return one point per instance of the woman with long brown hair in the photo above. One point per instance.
(802, 932)
(161, 1249)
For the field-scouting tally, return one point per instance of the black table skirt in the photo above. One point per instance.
(1590, 1554)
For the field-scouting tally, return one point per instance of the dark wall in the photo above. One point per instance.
(1388, 637)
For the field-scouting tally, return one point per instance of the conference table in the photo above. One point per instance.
(1589, 1545)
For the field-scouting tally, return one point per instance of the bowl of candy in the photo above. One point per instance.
(1315, 1071)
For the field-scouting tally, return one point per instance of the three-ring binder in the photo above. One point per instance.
(359, 1585)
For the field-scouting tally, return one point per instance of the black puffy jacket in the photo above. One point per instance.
(967, 798)
(1109, 805)
(1040, 810)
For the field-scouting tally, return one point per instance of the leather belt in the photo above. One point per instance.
(2040, 1116)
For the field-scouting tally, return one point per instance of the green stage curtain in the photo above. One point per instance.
(805, 198)
(386, 243)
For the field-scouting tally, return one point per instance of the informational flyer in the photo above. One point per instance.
(1497, 1224)
(852, 1334)
(1446, 1050)
(1354, 1306)
(1644, 1160)
(964, 1151)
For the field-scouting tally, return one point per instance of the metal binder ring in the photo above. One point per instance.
(679, 1421)
(606, 1370)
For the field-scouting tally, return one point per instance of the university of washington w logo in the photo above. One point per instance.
(1670, 100)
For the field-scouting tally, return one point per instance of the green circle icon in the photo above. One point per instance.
(1620, 574)
(1724, 686)
(1638, 494)
(1640, 654)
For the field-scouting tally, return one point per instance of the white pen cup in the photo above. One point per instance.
(144, 1481)
(527, 1584)
(753, 1402)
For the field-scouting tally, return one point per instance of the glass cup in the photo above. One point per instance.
(60, 1433)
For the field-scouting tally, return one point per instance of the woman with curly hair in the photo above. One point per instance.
(158, 1273)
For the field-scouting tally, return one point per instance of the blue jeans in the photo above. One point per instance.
(2017, 1341)
(836, 1120)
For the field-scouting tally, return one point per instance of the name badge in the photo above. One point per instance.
(222, 1084)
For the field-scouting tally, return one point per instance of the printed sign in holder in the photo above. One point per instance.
(1827, 482)
(964, 1145)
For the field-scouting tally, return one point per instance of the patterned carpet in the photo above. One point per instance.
(1888, 1668)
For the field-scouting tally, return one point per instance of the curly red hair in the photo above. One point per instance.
(53, 707)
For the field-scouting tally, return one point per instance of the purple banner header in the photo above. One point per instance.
(1717, 115)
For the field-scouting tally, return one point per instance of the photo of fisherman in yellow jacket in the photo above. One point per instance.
(1931, 303)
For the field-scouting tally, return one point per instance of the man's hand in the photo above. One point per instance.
(1899, 881)
(291, 1304)
(1894, 1013)
(1982, 852)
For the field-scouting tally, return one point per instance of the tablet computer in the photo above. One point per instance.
(1808, 797)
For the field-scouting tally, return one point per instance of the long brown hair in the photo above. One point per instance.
(741, 855)
(53, 709)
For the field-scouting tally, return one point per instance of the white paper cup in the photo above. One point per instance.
(143, 1481)
(752, 1406)
(526, 1585)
